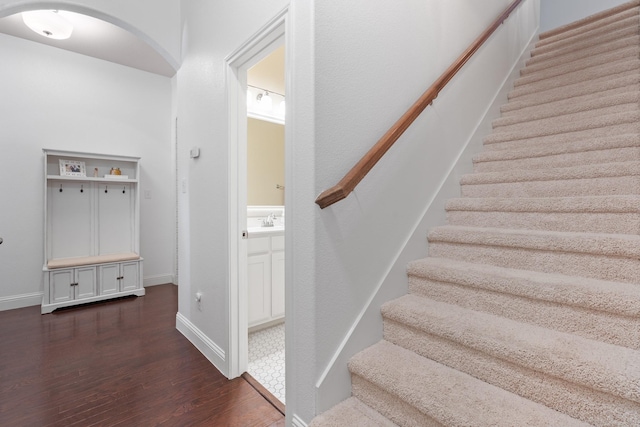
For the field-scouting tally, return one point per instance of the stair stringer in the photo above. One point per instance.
(334, 383)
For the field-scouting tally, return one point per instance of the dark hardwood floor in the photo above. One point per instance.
(117, 363)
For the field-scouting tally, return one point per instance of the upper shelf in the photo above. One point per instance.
(89, 178)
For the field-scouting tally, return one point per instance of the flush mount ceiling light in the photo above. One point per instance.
(48, 23)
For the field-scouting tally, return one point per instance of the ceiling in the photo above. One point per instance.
(99, 39)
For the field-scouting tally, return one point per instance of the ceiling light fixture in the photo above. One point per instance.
(265, 101)
(48, 23)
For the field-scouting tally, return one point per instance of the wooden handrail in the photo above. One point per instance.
(360, 170)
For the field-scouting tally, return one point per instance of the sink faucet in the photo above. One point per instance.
(268, 221)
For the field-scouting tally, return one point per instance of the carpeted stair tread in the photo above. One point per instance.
(612, 257)
(592, 364)
(629, 81)
(621, 124)
(444, 395)
(535, 151)
(577, 68)
(593, 36)
(570, 109)
(562, 160)
(353, 413)
(542, 62)
(593, 204)
(558, 122)
(592, 46)
(473, 355)
(561, 303)
(622, 299)
(616, 169)
(614, 245)
(589, 20)
(588, 77)
(596, 214)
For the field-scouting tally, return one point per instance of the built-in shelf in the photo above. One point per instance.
(88, 179)
(92, 229)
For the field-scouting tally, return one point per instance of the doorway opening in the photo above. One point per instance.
(256, 196)
(265, 221)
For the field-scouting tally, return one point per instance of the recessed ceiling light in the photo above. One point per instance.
(48, 23)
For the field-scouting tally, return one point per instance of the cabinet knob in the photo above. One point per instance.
(1, 240)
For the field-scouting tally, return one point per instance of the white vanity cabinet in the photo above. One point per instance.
(265, 276)
(91, 233)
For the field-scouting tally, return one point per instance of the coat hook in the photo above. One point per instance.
(82, 188)
(106, 188)
(61, 188)
(123, 188)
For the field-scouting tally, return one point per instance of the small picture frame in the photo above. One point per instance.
(72, 168)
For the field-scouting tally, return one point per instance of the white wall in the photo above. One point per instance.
(53, 98)
(554, 13)
(155, 21)
(211, 31)
(372, 61)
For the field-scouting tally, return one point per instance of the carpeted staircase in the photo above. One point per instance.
(527, 310)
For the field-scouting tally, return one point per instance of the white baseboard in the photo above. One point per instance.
(161, 279)
(207, 347)
(20, 301)
(297, 422)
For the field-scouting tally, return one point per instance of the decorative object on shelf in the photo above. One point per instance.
(115, 171)
(72, 168)
(95, 172)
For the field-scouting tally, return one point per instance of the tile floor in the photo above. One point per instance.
(266, 359)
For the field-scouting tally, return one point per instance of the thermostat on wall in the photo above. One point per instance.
(195, 152)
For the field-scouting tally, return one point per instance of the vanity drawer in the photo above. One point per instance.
(258, 245)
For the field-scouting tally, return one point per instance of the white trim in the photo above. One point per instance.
(20, 301)
(237, 63)
(212, 351)
(297, 422)
(334, 376)
(160, 279)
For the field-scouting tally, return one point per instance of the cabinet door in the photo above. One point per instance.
(85, 277)
(108, 278)
(277, 284)
(259, 288)
(60, 286)
(130, 276)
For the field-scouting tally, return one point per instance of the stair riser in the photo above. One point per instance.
(499, 143)
(584, 78)
(576, 67)
(592, 324)
(628, 82)
(579, 402)
(600, 35)
(536, 64)
(560, 160)
(625, 185)
(574, 264)
(389, 405)
(614, 223)
(563, 121)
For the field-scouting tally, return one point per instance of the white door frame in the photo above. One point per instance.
(265, 41)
